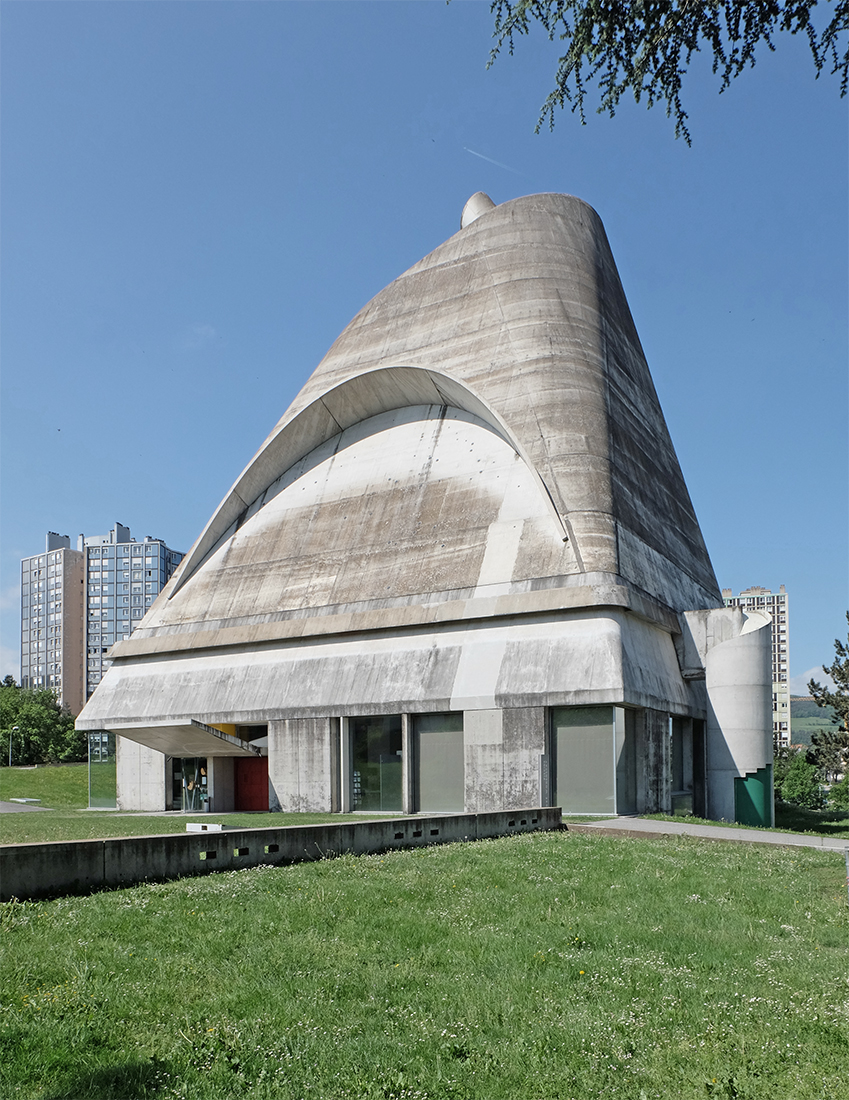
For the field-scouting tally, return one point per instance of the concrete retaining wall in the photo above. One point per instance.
(32, 871)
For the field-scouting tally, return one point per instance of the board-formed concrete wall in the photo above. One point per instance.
(472, 506)
(31, 871)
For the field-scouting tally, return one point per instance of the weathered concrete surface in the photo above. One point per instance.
(40, 870)
(523, 309)
(566, 659)
(520, 326)
(473, 505)
(733, 649)
(140, 776)
(29, 871)
(300, 764)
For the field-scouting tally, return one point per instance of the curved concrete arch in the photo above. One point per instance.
(352, 401)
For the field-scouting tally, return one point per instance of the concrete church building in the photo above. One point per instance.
(463, 572)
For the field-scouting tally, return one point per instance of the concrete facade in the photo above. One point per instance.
(459, 570)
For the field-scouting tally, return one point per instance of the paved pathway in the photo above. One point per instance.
(18, 807)
(641, 826)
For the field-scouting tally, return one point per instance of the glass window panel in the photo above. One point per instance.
(195, 787)
(101, 770)
(376, 763)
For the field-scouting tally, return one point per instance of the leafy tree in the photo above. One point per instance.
(782, 757)
(801, 785)
(646, 46)
(838, 796)
(838, 699)
(40, 728)
(829, 749)
(829, 753)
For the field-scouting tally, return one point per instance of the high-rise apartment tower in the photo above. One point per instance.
(123, 578)
(75, 604)
(52, 621)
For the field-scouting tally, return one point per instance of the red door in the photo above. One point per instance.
(251, 782)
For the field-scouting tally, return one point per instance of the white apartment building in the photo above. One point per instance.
(52, 621)
(777, 604)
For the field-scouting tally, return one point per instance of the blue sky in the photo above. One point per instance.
(197, 198)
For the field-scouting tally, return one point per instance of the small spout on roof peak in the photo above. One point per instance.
(479, 203)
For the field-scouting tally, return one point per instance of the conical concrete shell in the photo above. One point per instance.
(521, 320)
(481, 448)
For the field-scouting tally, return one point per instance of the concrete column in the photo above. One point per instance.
(300, 765)
(345, 799)
(654, 762)
(337, 776)
(483, 740)
(524, 742)
(140, 776)
(409, 802)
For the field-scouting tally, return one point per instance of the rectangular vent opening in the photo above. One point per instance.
(417, 832)
(524, 821)
(270, 849)
(434, 832)
(534, 820)
(240, 851)
(209, 855)
(399, 836)
(510, 824)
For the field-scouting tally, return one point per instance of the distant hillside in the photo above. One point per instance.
(806, 718)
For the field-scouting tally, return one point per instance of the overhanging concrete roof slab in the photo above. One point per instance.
(190, 738)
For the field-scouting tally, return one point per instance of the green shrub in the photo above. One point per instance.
(40, 729)
(838, 796)
(801, 785)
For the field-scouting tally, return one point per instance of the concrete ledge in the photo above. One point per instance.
(435, 612)
(32, 871)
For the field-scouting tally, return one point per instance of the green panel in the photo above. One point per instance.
(102, 771)
(753, 798)
(441, 767)
(583, 739)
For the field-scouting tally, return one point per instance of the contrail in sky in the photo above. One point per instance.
(491, 161)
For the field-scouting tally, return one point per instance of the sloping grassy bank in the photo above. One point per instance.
(544, 966)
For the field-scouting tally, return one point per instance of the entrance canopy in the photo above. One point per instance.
(189, 738)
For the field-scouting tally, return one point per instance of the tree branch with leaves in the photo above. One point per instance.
(647, 47)
(830, 749)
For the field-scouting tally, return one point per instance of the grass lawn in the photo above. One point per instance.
(65, 790)
(821, 822)
(542, 966)
(788, 818)
(63, 787)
